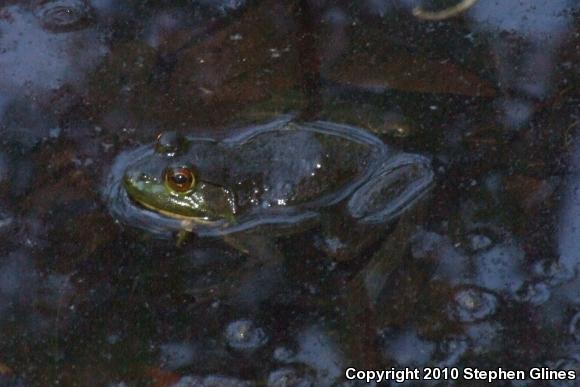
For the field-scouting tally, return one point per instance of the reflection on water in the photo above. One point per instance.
(484, 272)
(526, 36)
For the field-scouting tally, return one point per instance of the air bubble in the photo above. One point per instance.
(63, 15)
(245, 335)
(473, 304)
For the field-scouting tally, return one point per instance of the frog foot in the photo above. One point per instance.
(181, 237)
(248, 287)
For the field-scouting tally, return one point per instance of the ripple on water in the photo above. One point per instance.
(244, 335)
(554, 273)
(534, 293)
(472, 304)
(63, 15)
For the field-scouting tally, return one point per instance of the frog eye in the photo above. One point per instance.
(180, 179)
(170, 143)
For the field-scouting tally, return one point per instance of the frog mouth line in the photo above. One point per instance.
(190, 219)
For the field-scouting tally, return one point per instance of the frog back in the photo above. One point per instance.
(286, 167)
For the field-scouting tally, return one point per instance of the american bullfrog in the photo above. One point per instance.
(282, 175)
(269, 180)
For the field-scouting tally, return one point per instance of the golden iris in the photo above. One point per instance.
(180, 179)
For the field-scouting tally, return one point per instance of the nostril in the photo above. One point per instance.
(137, 177)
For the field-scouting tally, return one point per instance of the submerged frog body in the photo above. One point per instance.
(282, 175)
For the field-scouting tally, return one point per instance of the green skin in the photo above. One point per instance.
(278, 179)
(192, 205)
(278, 174)
(268, 181)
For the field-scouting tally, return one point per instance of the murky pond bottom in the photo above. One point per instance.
(417, 209)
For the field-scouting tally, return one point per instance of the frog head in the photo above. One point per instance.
(164, 182)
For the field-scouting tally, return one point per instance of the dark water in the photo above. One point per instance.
(485, 273)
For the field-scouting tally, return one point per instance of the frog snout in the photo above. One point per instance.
(137, 177)
(137, 181)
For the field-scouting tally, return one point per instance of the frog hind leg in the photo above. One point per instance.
(369, 296)
(397, 184)
(259, 277)
(342, 240)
